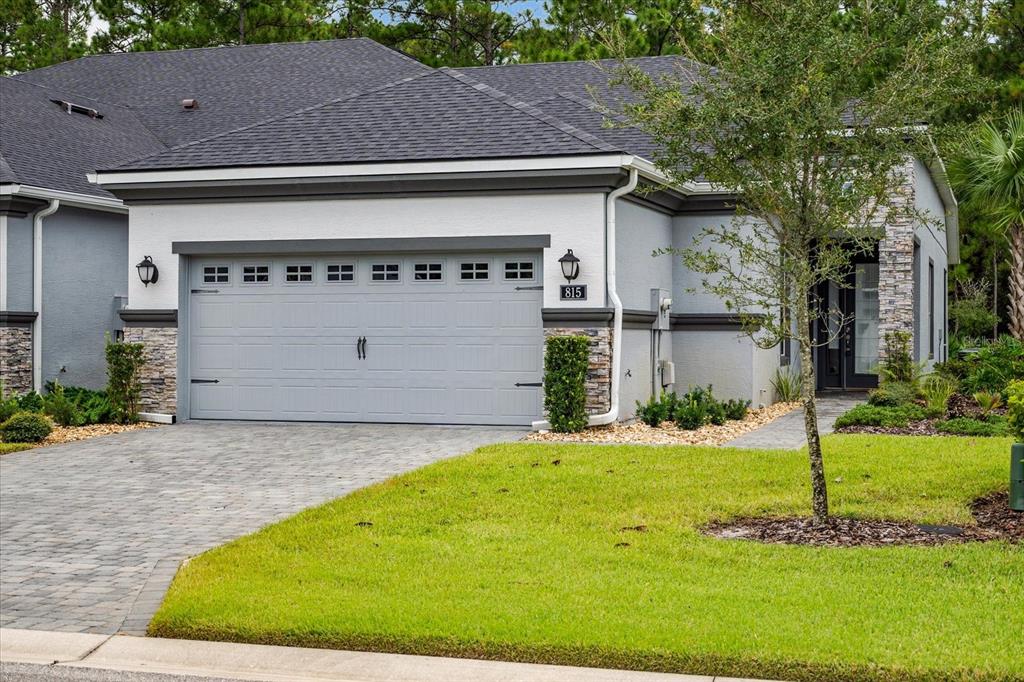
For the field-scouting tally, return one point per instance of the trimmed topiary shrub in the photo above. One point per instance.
(566, 359)
(874, 415)
(25, 427)
(124, 360)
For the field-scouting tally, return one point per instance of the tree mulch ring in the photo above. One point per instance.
(924, 427)
(995, 521)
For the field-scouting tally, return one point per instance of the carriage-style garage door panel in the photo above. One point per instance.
(388, 338)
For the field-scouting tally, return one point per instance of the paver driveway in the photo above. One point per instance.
(91, 533)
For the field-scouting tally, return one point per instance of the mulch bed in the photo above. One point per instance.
(992, 514)
(925, 427)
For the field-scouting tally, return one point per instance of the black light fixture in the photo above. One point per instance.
(148, 272)
(570, 266)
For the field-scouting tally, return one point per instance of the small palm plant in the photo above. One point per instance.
(989, 176)
(988, 402)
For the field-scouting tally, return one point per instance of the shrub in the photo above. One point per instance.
(898, 364)
(94, 406)
(937, 390)
(874, 415)
(565, 374)
(691, 415)
(30, 402)
(1015, 408)
(25, 427)
(657, 410)
(788, 385)
(965, 426)
(893, 394)
(124, 360)
(60, 408)
(991, 369)
(716, 413)
(8, 406)
(736, 409)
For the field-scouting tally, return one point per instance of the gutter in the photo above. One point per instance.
(66, 198)
(613, 294)
(37, 292)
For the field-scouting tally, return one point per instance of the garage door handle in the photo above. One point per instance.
(205, 381)
(534, 384)
(361, 347)
(364, 348)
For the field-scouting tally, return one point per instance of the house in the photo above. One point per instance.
(344, 234)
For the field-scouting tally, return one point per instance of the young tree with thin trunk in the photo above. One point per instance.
(808, 119)
(989, 174)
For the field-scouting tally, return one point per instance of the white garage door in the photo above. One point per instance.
(379, 338)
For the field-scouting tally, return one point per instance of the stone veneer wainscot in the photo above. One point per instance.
(16, 359)
(159, 374)
(599, 378)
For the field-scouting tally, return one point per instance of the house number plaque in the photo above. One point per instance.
(572, 292)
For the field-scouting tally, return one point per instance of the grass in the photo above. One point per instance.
(8, 448)
(516, 552)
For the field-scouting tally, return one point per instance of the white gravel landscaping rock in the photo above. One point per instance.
(638, 433)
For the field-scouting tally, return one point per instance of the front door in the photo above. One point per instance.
(848, 330)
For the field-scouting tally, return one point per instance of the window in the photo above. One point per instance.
(931, 309)
(341, 272)
(216, 274)
(384, 272)
(519, 269)
(428, 272)
(255, 274)
(298, 273)
(474, 271)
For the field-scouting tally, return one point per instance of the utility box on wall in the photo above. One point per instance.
(661, 303)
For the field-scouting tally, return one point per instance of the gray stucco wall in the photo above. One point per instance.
(728, 360)
(931, 240)
(19, 264)
(639, 232)
(85, 266)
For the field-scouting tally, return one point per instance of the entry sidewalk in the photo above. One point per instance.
(66, 651)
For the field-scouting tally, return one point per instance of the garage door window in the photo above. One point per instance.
(385, 272)
(519, 270)
(298, 274)
(428, 272)
(341, 272)
(255, 274)
(474, 272)
(216, 274)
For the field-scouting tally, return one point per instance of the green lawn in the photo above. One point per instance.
(514, 552)
(7, 448)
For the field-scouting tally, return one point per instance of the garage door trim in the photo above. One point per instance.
(358, 246)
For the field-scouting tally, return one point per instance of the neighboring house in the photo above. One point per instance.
(343, 234)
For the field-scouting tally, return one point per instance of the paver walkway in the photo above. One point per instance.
(91, 533)
(787, 432)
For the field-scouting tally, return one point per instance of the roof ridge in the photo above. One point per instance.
(590, 62)
(280, 117)
(530, 110)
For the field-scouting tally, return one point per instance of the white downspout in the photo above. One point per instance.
(613, 294)
(37, 293)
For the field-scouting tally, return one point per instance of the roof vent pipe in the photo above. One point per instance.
(189, 104)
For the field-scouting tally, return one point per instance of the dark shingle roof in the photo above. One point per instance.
(437, 115)
(235, 86)
(44, 146)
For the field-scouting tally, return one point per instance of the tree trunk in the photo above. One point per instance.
(241, 22)
(1016, 282)
(819, 489)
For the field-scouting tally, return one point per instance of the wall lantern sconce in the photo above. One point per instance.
(570, 266)
(148, 272)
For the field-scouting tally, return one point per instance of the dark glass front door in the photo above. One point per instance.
(848, 331)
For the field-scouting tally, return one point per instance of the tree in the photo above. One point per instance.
(575, 29)
(37, 33)
(806, 119)
(989, 175)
